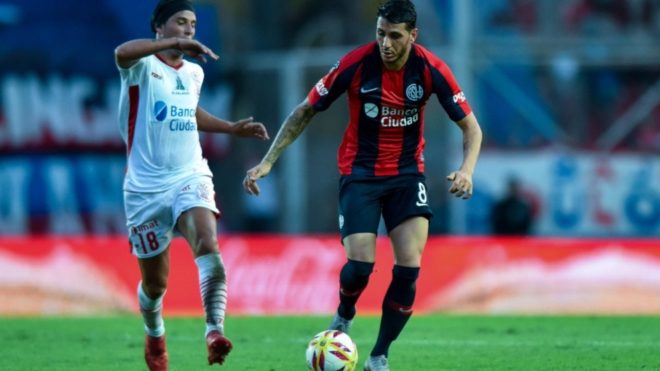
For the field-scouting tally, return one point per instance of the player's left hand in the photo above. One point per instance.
(250, 128)
(461, 185)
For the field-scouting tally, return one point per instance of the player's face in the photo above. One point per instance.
(180, 24)
(394, 41)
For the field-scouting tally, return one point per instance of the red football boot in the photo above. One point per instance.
(218, 347)
(155, 353)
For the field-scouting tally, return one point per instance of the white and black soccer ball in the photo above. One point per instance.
(331, 350)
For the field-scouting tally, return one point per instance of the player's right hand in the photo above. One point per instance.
(257, 172)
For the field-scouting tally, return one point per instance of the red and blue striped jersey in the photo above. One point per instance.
(385, 132)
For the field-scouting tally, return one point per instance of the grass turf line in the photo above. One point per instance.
(433, 342)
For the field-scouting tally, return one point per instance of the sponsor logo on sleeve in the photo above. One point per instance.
(459, 97)
(334, 67)
(320, 88)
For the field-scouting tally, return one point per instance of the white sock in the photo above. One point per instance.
(152, 312)
(213, 288)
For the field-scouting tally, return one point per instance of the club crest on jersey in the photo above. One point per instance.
(414, 92)
(179, 84)
(371, 110)
(180, 89)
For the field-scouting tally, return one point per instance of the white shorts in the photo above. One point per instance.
(151, 217)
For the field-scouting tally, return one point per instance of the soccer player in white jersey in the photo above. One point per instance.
(168, 185)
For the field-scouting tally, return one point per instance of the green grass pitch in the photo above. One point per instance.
(431, 342)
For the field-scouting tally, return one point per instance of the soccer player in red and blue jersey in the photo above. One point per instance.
(381, 160)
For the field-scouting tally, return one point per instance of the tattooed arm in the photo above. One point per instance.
(292, 127)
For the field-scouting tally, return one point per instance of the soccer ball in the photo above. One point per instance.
(331, 350)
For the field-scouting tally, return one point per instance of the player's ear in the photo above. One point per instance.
(159, 31)
(413, 34)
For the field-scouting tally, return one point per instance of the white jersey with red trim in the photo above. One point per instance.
(157, 122)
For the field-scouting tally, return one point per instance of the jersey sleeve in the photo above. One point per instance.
(449, 93)
(336, 81)
(135, 73)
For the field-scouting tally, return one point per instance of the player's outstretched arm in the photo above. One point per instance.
(128, 53)
(461, 179)
(196, 49)
(293, 125)
(242, 128)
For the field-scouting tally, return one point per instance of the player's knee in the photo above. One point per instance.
(206, 244)
(154, 289)
(405, 276)
(356, 273)
(411, 257)
(358, 268)
(402, 290)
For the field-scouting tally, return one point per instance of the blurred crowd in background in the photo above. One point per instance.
(576, 75)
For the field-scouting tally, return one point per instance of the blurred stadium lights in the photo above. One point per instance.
(587, 51)
(291, 92)
(631, 118)
(9, 14)
(527, 107)
(462, 59)
(576, 94)
(473, 56)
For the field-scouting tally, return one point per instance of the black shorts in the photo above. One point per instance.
(397, 198)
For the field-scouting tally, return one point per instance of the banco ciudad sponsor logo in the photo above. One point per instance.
(160, 110)
(181, 117)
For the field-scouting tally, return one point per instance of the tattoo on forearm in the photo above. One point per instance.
(294, 124)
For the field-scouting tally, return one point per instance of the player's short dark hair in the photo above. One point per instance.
(166, 8)
(399, 11)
